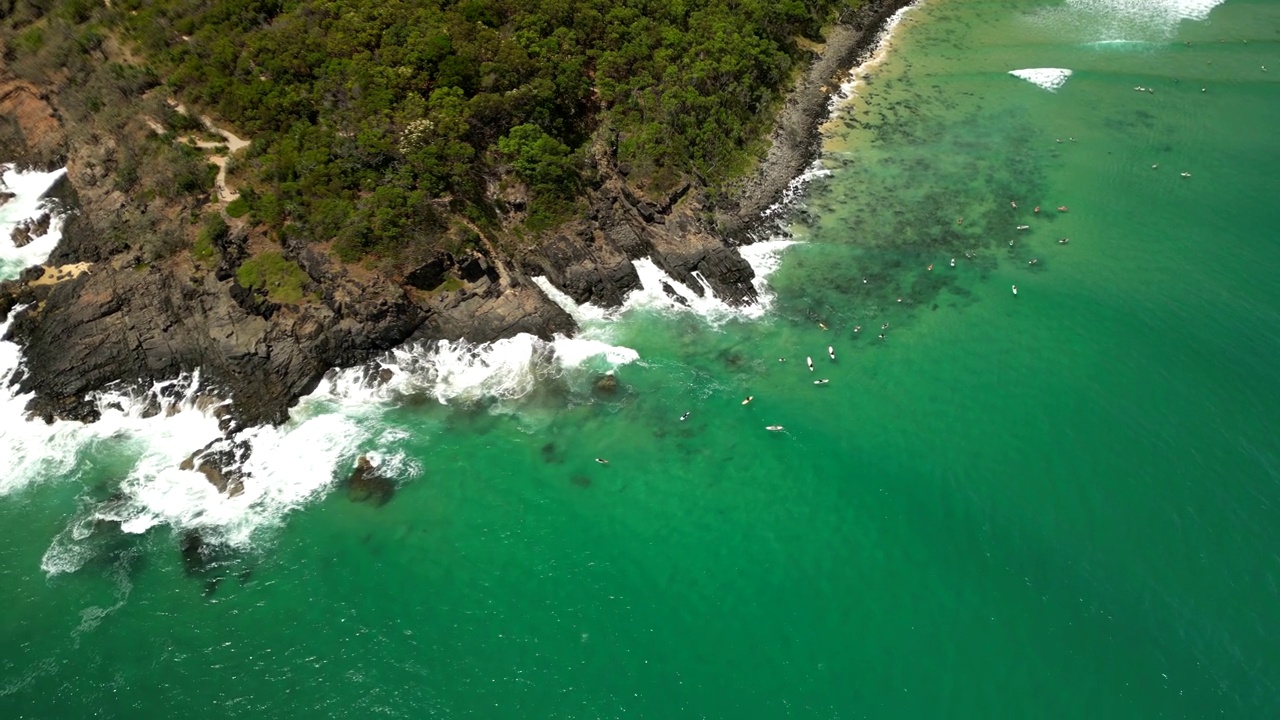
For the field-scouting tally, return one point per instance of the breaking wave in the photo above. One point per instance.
(28, 201)
(1048, 78)
(764, 257)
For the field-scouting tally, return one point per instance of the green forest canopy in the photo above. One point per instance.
(366, 113)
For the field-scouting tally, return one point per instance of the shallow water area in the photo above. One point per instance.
(1060, 499)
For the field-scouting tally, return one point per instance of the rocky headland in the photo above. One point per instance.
(101, 312)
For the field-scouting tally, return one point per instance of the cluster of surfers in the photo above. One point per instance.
(1033, 261)
(831, 352)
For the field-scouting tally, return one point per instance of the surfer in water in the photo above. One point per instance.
(1013, 204)
(1062, 208)
(774, 428)
(1032, 261)
(831, 351)
(685, 416)
(1063, 241)
(809, 360)
(953, 262)
(823, 381)
(748, 399)
(602, 461)
(1015, 289)
(858, 329)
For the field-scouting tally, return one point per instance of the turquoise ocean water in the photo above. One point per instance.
(1060, 504)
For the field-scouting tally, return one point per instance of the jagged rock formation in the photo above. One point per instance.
(29, 229)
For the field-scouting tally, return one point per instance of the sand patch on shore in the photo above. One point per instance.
(54, 274)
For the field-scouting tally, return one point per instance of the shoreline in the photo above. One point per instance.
(797, 135)
(130, 326)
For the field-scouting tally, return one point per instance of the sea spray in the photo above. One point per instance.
(764, 257)
(28, 201)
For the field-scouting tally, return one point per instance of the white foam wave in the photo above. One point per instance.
(575, 352)
(794, 189)
(288, 467)
(461, 372)
(28, 189)
(1048, 78)
(584, 314)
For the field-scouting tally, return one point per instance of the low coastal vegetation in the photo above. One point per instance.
(375, 122)
(281, 278)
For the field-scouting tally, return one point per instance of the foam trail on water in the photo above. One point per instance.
(1048, 78)
(28, 189)
(796, 188)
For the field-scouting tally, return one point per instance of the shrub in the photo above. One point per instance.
(238, 208)
(279, 276)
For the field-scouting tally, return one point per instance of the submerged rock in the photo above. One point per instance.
(366, 484)
(607, 384)
(196, 553)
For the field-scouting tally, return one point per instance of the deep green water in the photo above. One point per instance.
(1064, 504)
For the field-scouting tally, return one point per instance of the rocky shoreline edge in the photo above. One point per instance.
(118, 320)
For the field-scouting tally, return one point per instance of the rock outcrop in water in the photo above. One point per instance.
(128, 317)
(366, 484)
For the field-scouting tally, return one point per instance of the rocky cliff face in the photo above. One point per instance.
(29, 130)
